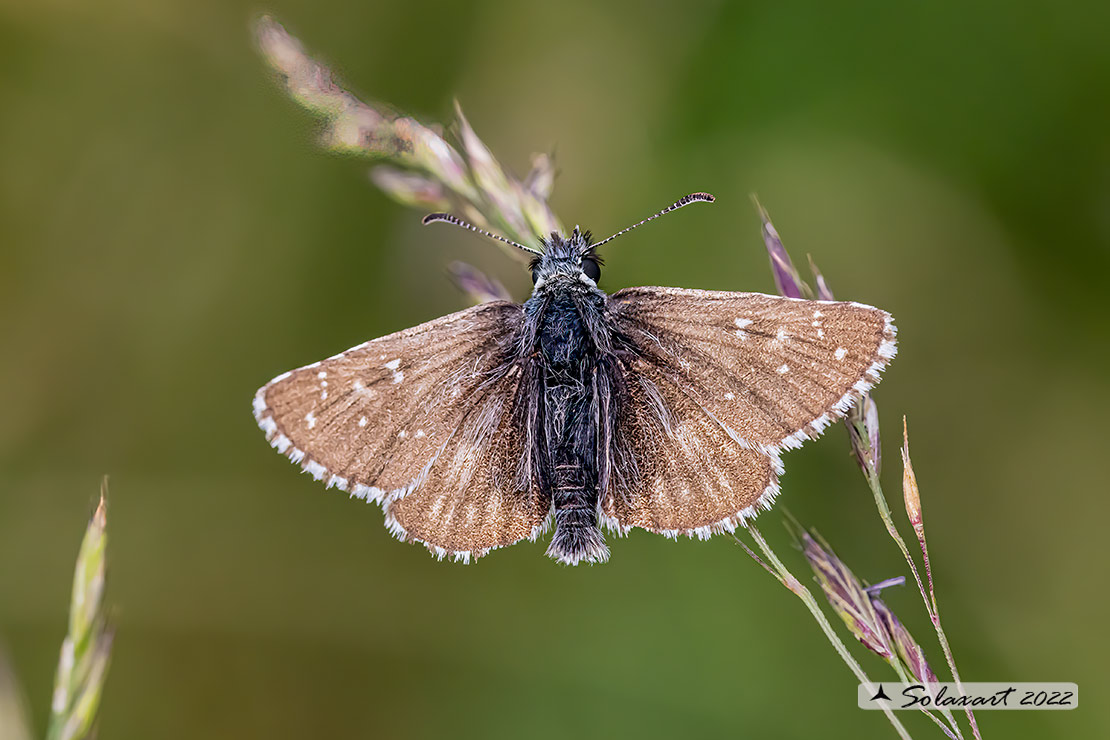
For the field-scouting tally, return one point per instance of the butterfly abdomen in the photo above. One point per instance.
(574, 496)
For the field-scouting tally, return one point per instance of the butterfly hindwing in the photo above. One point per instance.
(479, 493)
(773, 371)
(382, 419)
(672, 468)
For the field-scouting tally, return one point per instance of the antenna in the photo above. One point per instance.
(692, 197)
(433, 217)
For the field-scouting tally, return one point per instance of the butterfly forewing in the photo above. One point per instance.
(675, 470)
(372, 420)
(773, 371)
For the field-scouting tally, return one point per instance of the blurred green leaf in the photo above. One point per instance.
(83, 665)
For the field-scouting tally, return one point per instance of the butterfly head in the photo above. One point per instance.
(567, 260)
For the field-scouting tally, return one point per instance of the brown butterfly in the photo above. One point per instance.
(661, 408)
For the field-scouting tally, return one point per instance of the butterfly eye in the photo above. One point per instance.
(591, 268)
(535, 276)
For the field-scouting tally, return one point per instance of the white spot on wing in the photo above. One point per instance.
(362, 421)
(311, 419)
(437, 507)
(841, 353)
(392, 366)
(783, 370)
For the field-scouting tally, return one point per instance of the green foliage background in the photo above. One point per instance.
(170, 238)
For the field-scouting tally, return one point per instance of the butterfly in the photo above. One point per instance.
(661, 408)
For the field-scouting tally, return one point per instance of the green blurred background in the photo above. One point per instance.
(172, 238)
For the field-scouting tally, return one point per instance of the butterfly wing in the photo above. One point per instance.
(426, 414)
(671, 468)
(774, 371)
(715, 385)
(479, 493)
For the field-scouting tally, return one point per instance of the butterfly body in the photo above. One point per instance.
(660, 408)
(571, 335)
